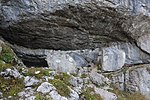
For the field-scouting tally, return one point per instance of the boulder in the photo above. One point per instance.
(112, 59)
(99, 79)
(62, 62)
(30, 81)
(10, 72)
(80, 61)
(45, 88)
(105, 94)
(73, 95)
(55, 96)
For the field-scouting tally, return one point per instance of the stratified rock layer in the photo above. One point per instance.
(73, 24)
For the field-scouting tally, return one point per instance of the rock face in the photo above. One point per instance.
(75, 36)
(113, 59)
(105, 94)
(73, 25)
(60, 25)
(134, 79)
(87, 83)
(144, 43)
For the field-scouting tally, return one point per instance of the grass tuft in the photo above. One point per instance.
(91, 95)
(61, 87)
(7, 54)
(11, 87)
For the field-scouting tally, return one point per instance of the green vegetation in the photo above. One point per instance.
(32, 72)
(4, 66)
(61, 87)
(75, 75)
(6, 58)
(63, 77)
(7, 55)
(83, 75)
(41, 97)
(10, 87)
(91, 95)
(122, 95)
(148, 69)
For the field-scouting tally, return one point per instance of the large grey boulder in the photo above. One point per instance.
(112, 59)
(79, 59)
(61, 62)
(70, 61)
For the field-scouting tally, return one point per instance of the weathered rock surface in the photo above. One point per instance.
(105, 94)
(99, 79)
(55, 96)
(64, 25)
(72, 25)
(136, 78)
(87, 32)
(45, 88)
(30, 81)
(61, 62)
(113, 59)
(144, 43)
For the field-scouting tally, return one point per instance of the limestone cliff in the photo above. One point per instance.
(76, 35)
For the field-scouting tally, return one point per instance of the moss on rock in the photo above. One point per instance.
(61, 87)
(123, 95)
(63, 77)
(41, 97)
(10, 87)
(4, 66)
(7, 54)
(90, 94)
(32, 72)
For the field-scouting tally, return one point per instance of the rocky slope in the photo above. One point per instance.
(22, 83)
(73, 25)
(101, 46)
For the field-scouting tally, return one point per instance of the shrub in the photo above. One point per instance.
(7, 54)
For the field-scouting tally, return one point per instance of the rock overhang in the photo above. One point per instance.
(70, 25)
(69, 28)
